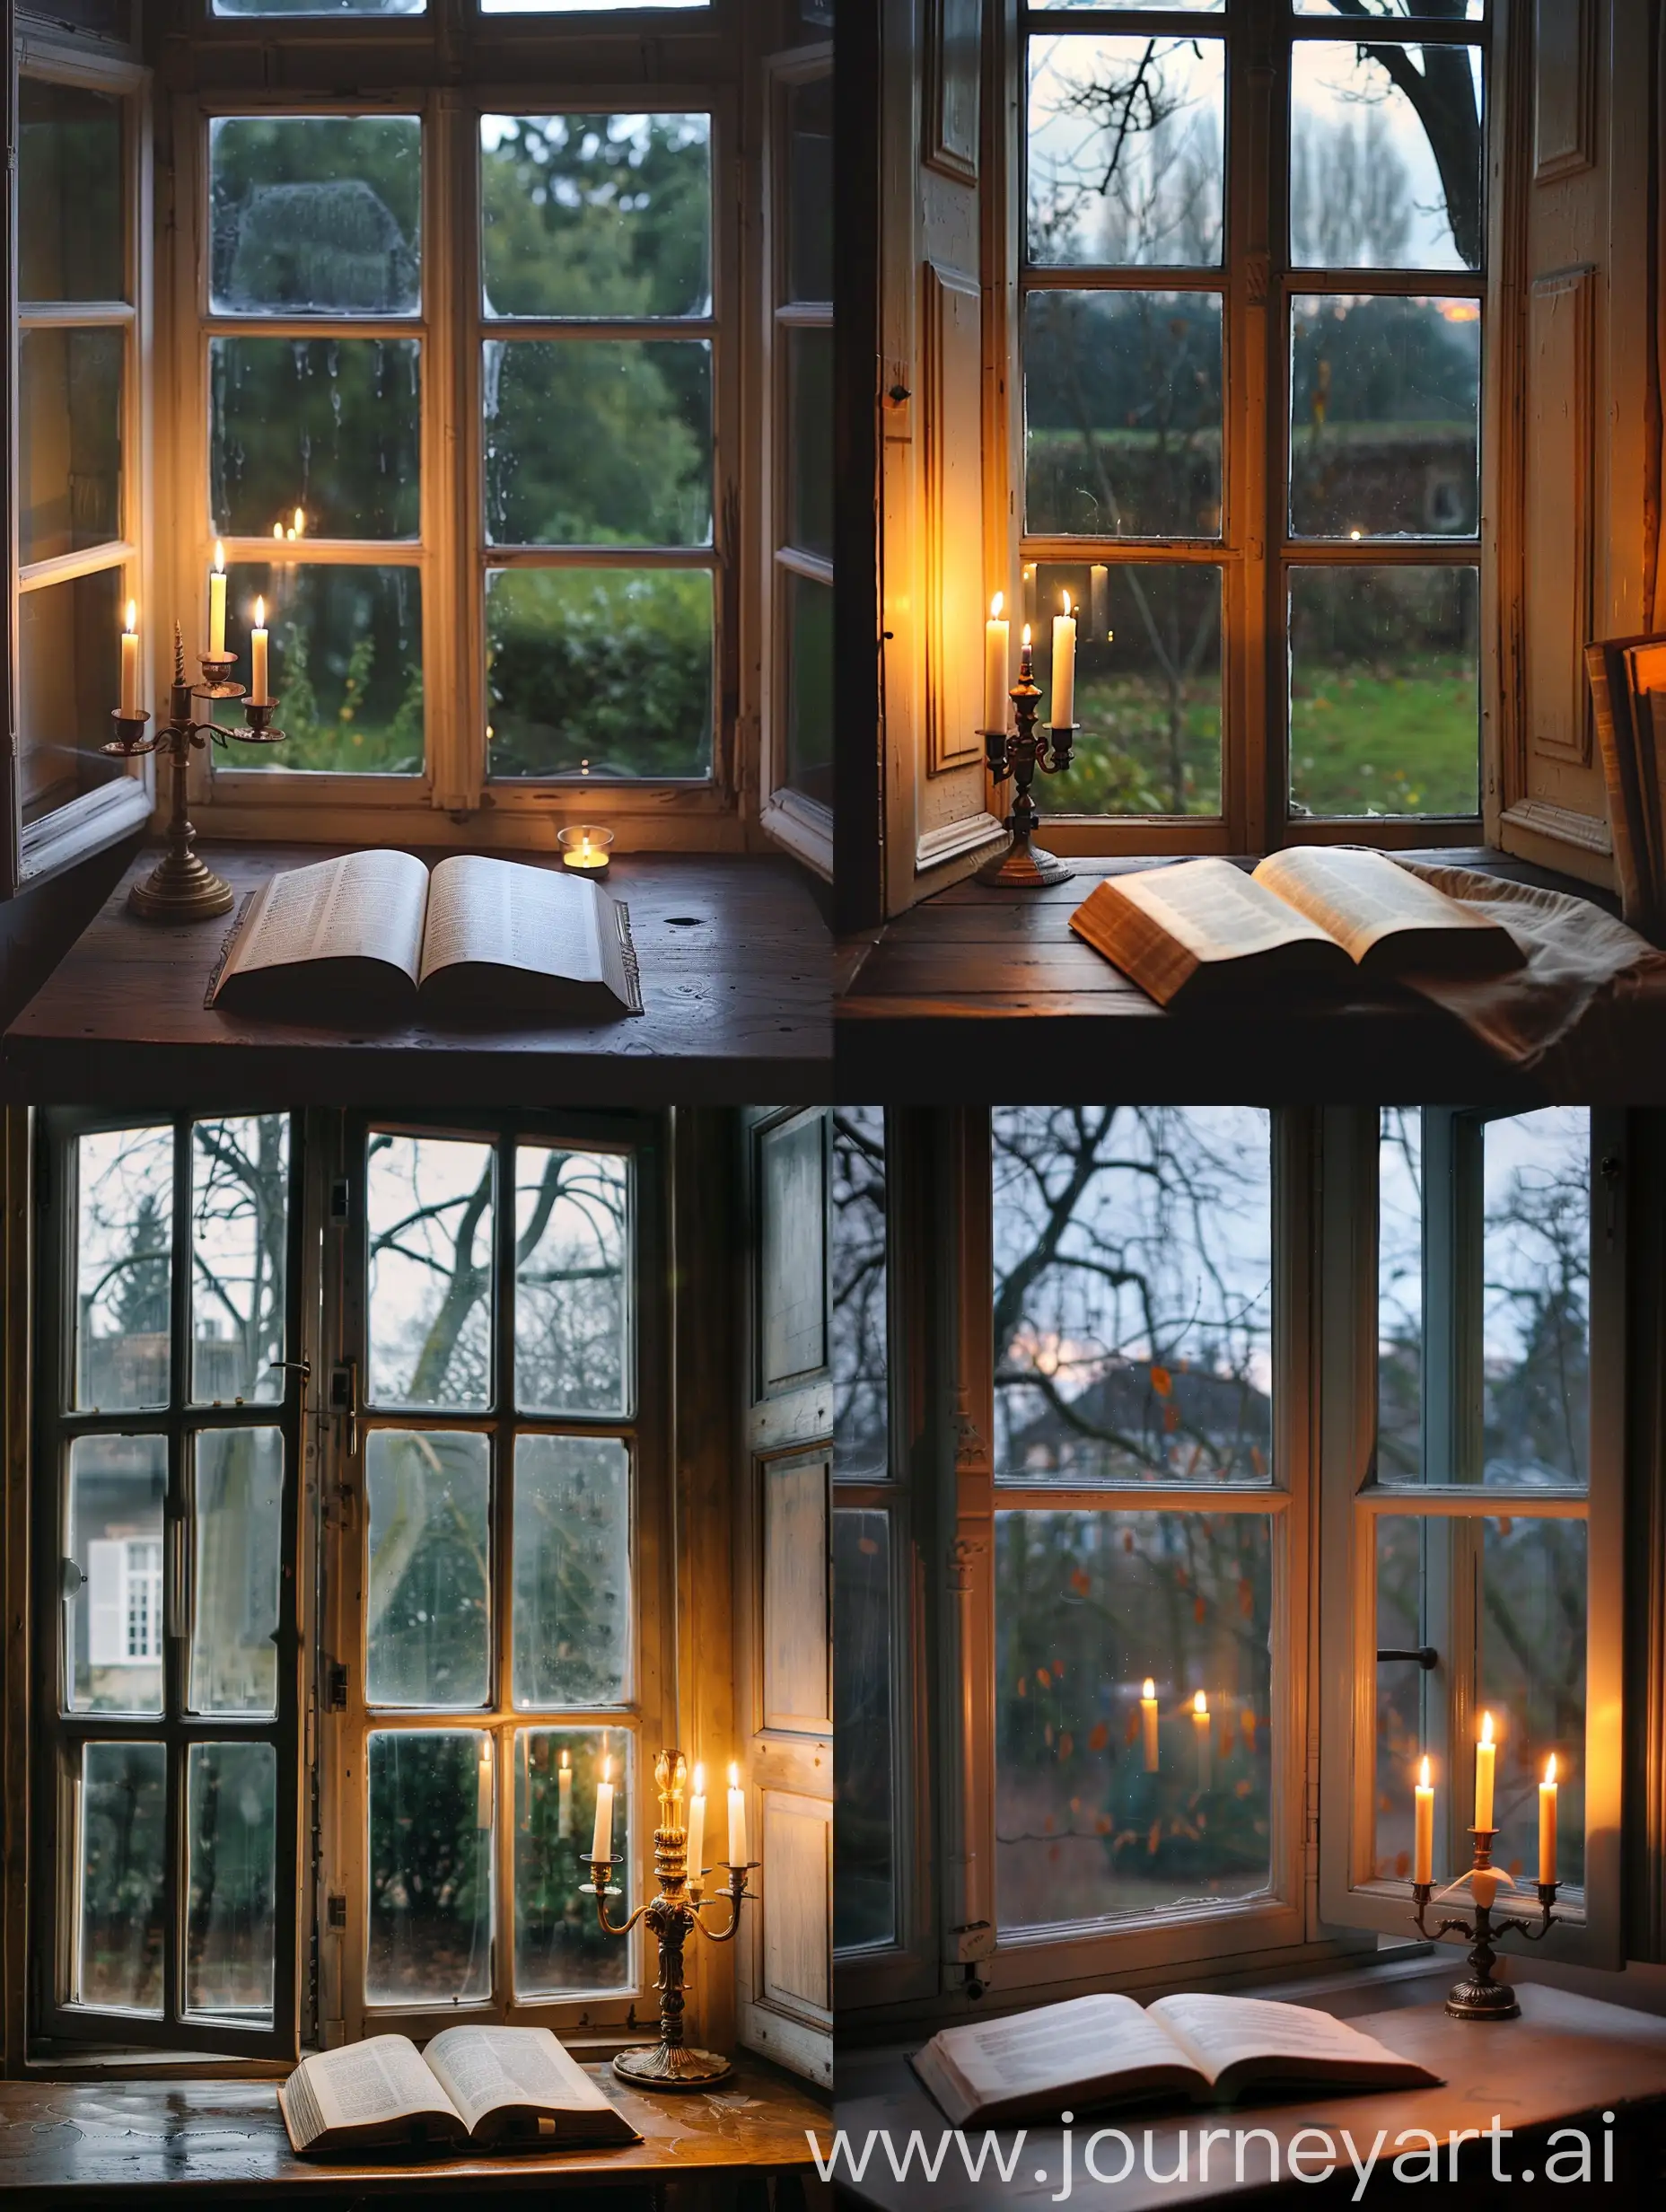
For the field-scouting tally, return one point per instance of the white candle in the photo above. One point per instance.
(257, 656)
(564, 1798)
(130, 661)
(1200, 1722)
(696, 1830)
(1423, 1846)
(1484, 1758)
(602, 1842)
(483, 1785)
(737, 1819)
(996, 650)
(1064, 668)
(1547, 1822)
(1099, 603)
(1148, 1723)
(216, 600)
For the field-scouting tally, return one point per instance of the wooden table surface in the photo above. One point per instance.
(987, 997)
(735, 962)
(1567, 2059)
(95, 2144)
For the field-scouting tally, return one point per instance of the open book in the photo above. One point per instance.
(1310, 910)
(476, 2085)
(1108, 2050)
(480, 936)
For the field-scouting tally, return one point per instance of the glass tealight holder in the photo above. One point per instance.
(586, 850)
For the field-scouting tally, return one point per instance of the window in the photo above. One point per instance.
(1249, 447)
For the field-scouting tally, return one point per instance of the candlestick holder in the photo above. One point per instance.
(672, 1916)
(1018, 753)
(1478, 1996)
(182, 887)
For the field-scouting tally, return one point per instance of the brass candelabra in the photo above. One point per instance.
(1478, 1996)
(1018, 753)
(672, 1916)
(182, 887)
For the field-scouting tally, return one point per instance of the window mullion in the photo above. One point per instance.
(454, 650)
(502, 1590)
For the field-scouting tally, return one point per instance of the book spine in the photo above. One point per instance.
(226, 950)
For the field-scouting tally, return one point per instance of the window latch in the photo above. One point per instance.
(1424, 1655)
(336, 1689)
(344, 1400)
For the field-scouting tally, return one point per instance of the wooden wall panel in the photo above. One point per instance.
(798, 1689)
(798, 1847)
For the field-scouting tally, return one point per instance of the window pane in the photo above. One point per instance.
(1385, 711)
(232, 1828)
(1385, 155)
(431, 1797)
(591, 442)
(573, 1349)
(122, 1862)
(861, 1345)
(68, 679)
(1536, 1269)
(1406, 1725)
(1471, 10)
(1133, 1294)
(809, 516)
(318, 7)
(600, 671)
(596, 214)
(70, 213)
(428, 1504)
(808, 686)
(1122, 414)
(237, 1550)
(345, 661)
(429, 1210)
(864, 1896)
(239, 1257)
(1399, 1296)
(1531, 1626)
(331, 425)
(1125, 163)
(113, 1574)
(1094, 1819)
(124, 1268)
(315, 214)
(559, 1947)
(572, 1555)
(1385, 400)
(1148, 683)
(69, 425)
(808, 271)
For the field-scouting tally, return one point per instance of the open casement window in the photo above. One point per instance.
(1472, 1540)
(166, 1832)
(78, 261)
(498, 1571)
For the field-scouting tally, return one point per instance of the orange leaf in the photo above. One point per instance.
(1066, 1744)
(1162, 1380)
(1079, 1582)
(1044, 1681)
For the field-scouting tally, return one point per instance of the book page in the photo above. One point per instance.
(364, 906)
(1359, 897)
(515, 917)
(1084, 2040)
(1219, 2032)
(381, 2079)
(1214, 909)
(481, 2068)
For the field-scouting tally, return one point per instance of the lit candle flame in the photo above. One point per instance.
(564, 1762)
(584, 850)
(133, 616)
(735, 1774)
(699, 1781)
(1422, 1771)
(995, 605)
(260, 614)
(1200, 1705)
(607, 1766)
(1066, 597)
(1026, 636)
(1487, 1727)
(277, 530)
(1150, 1688)
(301, 522)
(1550, 1767)
(219, 558)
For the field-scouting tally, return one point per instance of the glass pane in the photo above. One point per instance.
(1532, 1623)
(1536, 1270)
(237, 1550)
(232, 1930)
(605, 673)
(607, 216)
(1385, 398)
(1133, 1294)
(345, 661)
(1405, 1723)
(808, 686)
(320, 7)
(572, 1338)
(809, 513)
(429, 1213)
(1385, 155)
(122, 1877)
(428, 1503)
(1148, 683)
(431, 1797)
(861, 1347)
(1126, 161)
(593, 441)
(69, 425)
(331, 425)
(315, 214)
(68, 679)
(70, 213)
(113, 1574)
(808, 271)
(1471, 10)
(572, 1554)
(240, 1258)
(1122, 414)
(1385, 713)
(865, 1895)
(1108, 1804)
(559, 1948)
(1399, 1295)
(124, 1268)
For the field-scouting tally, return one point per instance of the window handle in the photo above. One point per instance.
(1424, 1655)
(303, 1367)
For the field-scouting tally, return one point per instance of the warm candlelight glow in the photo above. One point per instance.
(277, 530)
(133, 616)
(1149, 1690)
(301, 522)
(1025, 640)
(995, 605)
(1201, 1706)
(1066, 597)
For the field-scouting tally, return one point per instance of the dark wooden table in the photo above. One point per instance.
(735, 962)
(987, 997)
(124, 2141)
